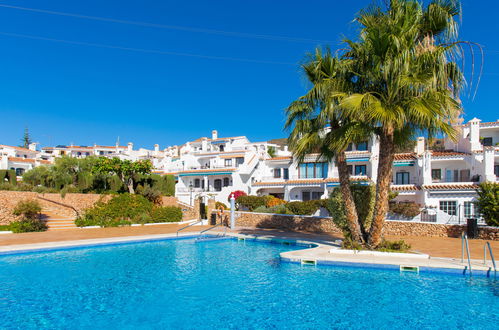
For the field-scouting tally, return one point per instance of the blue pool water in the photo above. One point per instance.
(228, 285)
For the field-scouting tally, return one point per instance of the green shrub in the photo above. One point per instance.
(152, 194)
(4, 227)
(252, 202)
(7, 186)
(364, 199)
(393, 246)
(27, 225)
(488, 202)
(278, 209)
(305, 208)
(405, 209)
(119, 210)
(218, 205)
(29, 209)
(11, 175)
(3, 176)
(166, 214)
(166, 185)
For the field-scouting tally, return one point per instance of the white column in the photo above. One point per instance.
(488, 164)
(475, 134)
(205, 179)
(425, 165)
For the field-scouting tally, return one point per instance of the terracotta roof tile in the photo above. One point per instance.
(405, 156)
(404, 187)
(232, 156)
(447, 153)
(280, 158)
(209, 170)
(22, 160)
(451, 186)
(17, 148)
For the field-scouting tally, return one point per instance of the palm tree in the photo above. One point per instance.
(317, 127)
(406, 80)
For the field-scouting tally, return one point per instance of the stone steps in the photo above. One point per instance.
(56, 221)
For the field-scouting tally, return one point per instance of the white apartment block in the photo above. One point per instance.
(20, 159)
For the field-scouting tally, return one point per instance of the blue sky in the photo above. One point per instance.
(84, 94)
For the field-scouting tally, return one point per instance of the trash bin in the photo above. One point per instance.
(472, 227)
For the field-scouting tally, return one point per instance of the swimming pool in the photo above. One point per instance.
(228, 284)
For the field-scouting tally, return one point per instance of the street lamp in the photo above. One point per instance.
(190, 189)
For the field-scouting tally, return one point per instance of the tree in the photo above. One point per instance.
(26, 140)
(318, 126)
(488, 202)
(126, 170)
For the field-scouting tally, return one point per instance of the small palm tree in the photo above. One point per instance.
(317, 128)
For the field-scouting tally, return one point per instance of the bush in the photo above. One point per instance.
(166, 185)
(237, 194)
(393, 246)
(29, 209)
(7, 186)
(305, 208)
(488, 202)
(406, 209)
(120, 210)
(218, 205)
(252, 202)
(274, 201)
(152, 194)
(279, 209)
(166, 214)
(27, 225)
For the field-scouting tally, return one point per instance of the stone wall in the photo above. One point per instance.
(326, 225)
(70, 206)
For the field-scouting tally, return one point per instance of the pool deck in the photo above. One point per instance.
(431, 253)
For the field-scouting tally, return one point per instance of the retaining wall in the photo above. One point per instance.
(326, 225)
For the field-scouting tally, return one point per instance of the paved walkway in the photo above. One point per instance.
(90, 233)
(435, 247)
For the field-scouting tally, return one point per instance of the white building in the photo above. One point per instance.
(20, 159)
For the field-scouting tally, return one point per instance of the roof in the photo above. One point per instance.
(448, 153)
(22, 160)
(209, 170)
(17, 148)
(451, 186)
(404, 187)
(308, 181)
(232, 156)
(405, 156)
(280, 158)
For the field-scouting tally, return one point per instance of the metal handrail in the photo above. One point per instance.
(218, 224)
(487, 244)
(464, 239)
(190, 225)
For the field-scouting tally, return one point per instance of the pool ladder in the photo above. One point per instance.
(190, 225)
(485, 246)
(464, 241)
(218, 236)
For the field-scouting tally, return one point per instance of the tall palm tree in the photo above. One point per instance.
(317, 127)
(406, 80)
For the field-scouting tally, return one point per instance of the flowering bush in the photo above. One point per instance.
(274, 201)
(237, 194)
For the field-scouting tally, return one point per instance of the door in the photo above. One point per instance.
(217, 184)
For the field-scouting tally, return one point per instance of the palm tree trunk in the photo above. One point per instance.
(350, 209)
(384, 180)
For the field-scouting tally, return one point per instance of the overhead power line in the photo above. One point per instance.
(170, 27)
(141, 50)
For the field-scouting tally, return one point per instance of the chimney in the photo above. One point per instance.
(420, 146)
(130, 147)
(475, 134)
(214, 134)
(32, 146)
(156, 147)
(204, 144)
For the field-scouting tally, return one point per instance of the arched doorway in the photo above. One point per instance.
(217, 184)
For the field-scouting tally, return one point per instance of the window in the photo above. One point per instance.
(226, 182)
(464, 175)
(496, 170)
(228, 162)
(239, 161)
(360, 170)
(19, 171)
(313, 170)
(197, 183)
(222, 147)
(305, 196)
(78, 153)
(469, 210)
(362, 146)
(449, 207)
(487, 142)
(316, 195)
(285, 174)
(350, 169)
(101, 152)
(402, 178)
(436, 174)
(277, 173)
(349, 148)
